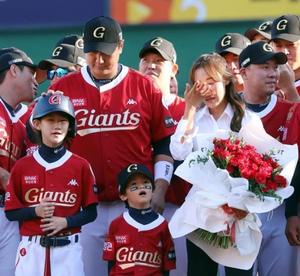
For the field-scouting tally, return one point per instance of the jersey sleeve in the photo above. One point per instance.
(162, 124)
(89, 188)
(109, 250)
(13, 191)
(169, 258)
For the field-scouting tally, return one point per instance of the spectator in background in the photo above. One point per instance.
(158, 60)
(229, 46)
(262, 32)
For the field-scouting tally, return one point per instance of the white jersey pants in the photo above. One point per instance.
(65, 260)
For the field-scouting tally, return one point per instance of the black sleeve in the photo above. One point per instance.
(291, 203)
(84, 216)
(166, 273)
(21, 214)
(162, 147)
(110, 265)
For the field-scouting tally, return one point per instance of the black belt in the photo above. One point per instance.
(53, 241)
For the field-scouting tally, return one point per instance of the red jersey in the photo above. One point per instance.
(281, 119)
(69, 182)
(116, 123)
(178, 188)
(139, 249)
(12, 135)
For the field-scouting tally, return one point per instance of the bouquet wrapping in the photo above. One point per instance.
(234, 176)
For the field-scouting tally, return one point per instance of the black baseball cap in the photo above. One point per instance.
(130, 170)
(231, 43)
(286, 27)
(259, 53)
(158, 44)
(102, 34)
(12, 55)
(263, 29)
(67, 52)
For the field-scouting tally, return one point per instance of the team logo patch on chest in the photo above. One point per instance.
(30, 179)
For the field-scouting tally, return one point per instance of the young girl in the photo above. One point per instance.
(51, 194)
(211, 104)
(139, 242)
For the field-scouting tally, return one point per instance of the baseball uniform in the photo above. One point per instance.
(69, 183)
(139, 249)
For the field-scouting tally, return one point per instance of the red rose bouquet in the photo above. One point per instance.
(233, 177)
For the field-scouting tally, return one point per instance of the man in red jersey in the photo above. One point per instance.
(17, 84)
(285, 37)
(158, 61)
(281, 119)
(121, 120)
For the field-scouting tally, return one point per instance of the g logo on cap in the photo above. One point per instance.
(263, 26)
(226, 41)
(99, 32)
(132, 167)
(56, 51)
(267, 47)
(281, 25)
(156, 42)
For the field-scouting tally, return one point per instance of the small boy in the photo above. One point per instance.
(51, 194)
(139, 241)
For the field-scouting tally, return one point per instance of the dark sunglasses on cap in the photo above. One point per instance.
(59, 72)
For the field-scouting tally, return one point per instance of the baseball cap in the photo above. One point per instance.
(12, 55)
(259, 53)
(102, 34)
(263, 29)
(158, 44)
(130, 170)
(286, 27)
(232, 43)
(67, 52)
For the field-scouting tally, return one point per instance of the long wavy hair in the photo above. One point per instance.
(215, 66)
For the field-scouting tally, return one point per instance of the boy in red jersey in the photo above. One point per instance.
(138, 242)
(51, 194)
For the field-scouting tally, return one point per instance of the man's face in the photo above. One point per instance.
(160, 70)
(104, 66)
(232, 61)
(261, 78)
(26, 83)
(291, 49)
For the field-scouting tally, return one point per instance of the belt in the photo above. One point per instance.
(54, 241)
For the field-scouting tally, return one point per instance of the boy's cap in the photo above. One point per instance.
(232, 43)
(263, 29)
(130, 170)
(259, 53)
(286, 27)
(67, 52)
(158, 44)
(12, 55)
(102, 34)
